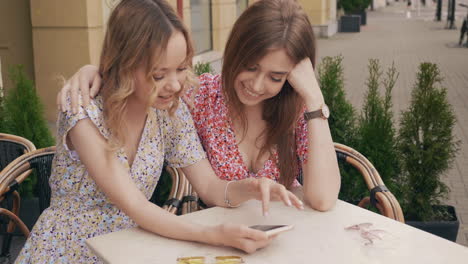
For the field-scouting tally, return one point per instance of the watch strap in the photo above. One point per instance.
(313, 114)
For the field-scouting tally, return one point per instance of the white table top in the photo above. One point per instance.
(317, 238)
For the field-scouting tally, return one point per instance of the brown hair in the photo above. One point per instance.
(138, 32)
(265, 26)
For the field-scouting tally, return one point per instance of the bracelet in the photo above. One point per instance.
(226, 200)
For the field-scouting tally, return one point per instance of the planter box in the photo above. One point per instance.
(350, 23)
(444, 229)
(363, 15)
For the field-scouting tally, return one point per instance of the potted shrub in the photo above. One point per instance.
(428, 148)
(350, 23)
(354, 7)
(357, 7)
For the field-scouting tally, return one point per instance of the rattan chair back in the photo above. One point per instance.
(379, 197)
(179, 183)
(12, 176)
(40, 161)
(11, 147)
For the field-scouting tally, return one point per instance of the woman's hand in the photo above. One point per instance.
(265, 189)
(87, 81)
(238, 236)
(214, 191)
(302, 79)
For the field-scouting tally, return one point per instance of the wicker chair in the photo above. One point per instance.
(15, 173)
(182, 198)
(11, 147)
(379, 197)
(179, 183)
(41, 160)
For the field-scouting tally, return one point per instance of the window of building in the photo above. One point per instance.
(201, 25)
(241, 6)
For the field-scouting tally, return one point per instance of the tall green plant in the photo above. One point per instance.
(427, 144)
(342, 122)
(377, 134)
(2, 114)
(24, 116)
(25, 112)
(2, 107)
(331, 79)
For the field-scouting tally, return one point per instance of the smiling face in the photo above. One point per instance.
(168, 75)
(263, 79)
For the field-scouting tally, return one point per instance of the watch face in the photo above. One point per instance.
(325, 111)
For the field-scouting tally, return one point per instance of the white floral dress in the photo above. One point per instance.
(78, 209)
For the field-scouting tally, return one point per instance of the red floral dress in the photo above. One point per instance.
(214, 127)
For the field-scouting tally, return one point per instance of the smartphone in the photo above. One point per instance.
(273, 229)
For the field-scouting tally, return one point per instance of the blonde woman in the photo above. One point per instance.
(110, 152)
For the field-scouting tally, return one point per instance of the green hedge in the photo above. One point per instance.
(410, 160)
(23, 115)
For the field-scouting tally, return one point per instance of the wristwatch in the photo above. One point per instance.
(323, 112)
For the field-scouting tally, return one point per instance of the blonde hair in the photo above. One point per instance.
(137, 34)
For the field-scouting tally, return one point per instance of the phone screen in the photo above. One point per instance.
(266, 227)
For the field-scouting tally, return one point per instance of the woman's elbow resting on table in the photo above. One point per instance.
(320, 203)
(316, 202)
(322, 187)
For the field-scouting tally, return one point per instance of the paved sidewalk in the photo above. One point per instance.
(390, 37)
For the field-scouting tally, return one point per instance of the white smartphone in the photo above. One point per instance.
(272, 229)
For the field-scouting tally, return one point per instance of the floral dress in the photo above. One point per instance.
(78, 209)
(214, 126)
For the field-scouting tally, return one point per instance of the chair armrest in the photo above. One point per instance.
(380, 196)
